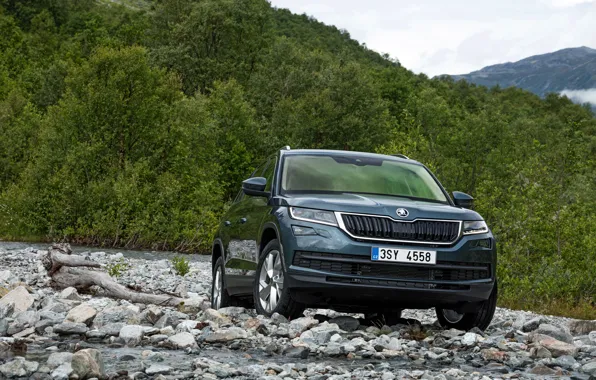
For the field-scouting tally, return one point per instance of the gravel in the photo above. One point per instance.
(60, 334)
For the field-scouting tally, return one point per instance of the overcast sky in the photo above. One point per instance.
(457, 36)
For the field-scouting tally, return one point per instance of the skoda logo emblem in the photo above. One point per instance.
(402, 212)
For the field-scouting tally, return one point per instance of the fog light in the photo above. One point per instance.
(482, 243)
(303, 231)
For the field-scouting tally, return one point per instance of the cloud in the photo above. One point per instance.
(581, 96)
(567, 3)
(458, 36)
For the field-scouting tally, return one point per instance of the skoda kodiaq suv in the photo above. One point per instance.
(355, 232)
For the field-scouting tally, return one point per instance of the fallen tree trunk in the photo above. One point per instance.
(66, 271)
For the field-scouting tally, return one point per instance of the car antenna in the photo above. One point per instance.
(287, 147)
(401, 156)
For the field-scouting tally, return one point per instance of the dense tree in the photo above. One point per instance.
(134, 124)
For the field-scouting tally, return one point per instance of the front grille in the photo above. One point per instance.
(356, 265)
(428, 231)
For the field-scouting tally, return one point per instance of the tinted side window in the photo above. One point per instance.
(260, 169)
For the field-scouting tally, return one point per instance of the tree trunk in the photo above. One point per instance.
(66, 270)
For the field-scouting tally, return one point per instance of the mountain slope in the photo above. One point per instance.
(567, 69)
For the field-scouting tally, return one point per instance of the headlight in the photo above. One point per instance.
(475, 227)
(315, 216)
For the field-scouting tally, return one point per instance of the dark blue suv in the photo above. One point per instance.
(355, 232)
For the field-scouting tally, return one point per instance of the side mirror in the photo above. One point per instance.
(255, 186)
(463, 200)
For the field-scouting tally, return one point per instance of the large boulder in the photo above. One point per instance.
(533, 324)
(580, 327)
(346, 323)
(111, 329)
(556, 347)
(70, 294)
(182, 340)
(132, 335)
(556, 332)
(226, 335)
(23, 320)
(19, 297)
(117, 314)
(590, 368)
(18, 367)
(68, 328)
(56, 359)
(298, 325)
(88, 363)
(6, 310)
(81, 314)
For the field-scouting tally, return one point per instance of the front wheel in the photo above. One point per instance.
(480, 318)
(270, 292)
(219, 294)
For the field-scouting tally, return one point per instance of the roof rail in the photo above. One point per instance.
(287, 147)
(401, 156)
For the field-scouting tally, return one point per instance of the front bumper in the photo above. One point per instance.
(335, 270)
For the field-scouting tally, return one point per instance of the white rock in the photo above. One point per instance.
(590, 368)
(70, 293)
(4, 276)
(187, 326)
(20, 297)
(58, 358)
(469, 339)
(182, 340)
(62, 372)
(131, 335)
(88, 363)
(18, 367)
(157, 369)
(226, 335)
(81, 314)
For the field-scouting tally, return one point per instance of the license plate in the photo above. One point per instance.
(403, 255)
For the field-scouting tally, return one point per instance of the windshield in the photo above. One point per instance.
(355, 174)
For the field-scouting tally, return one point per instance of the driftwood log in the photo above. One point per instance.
(67, 270)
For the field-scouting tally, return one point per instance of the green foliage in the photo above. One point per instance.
(181, 265)
(132, 123)
(117, 267)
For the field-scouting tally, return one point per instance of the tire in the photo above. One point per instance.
(270, 291)
(480, 318)
(224, 299)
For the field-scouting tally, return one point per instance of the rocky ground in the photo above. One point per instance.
(49, 334)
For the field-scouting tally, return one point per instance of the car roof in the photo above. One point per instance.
(328, 152)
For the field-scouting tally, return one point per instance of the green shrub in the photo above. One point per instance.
(117, 268)
(181, 265)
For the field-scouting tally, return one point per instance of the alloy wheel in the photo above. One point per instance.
(271, 281)
(452, 316)
(217, 288)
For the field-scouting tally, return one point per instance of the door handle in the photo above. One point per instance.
(227, 223)
(242, 220)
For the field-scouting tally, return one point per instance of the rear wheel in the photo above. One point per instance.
(219, 294)
(480, 318)
(270, 293)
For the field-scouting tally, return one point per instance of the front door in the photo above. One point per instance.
(245, 218)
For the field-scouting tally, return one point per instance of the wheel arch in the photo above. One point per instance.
(269, 233)
(216, 252)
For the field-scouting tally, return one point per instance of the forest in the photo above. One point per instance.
(132, 124)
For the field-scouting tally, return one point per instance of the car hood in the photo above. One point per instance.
(380, 205)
